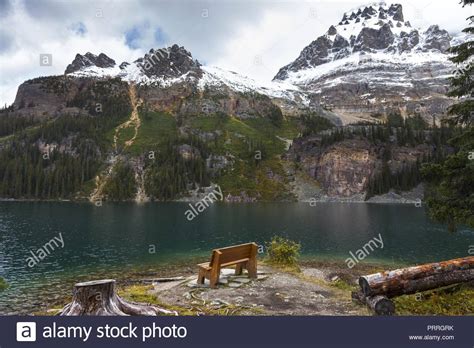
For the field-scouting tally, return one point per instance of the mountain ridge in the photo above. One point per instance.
(167, 127)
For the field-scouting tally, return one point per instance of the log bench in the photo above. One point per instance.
(243, 256)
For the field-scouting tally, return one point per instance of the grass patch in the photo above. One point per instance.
(457, 300)
(125, 134)
(155, 130)
(343, 285)
(48, 313)
(237, 133)
(254, 180)
(142, 294)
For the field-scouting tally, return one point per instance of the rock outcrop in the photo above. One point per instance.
(89, 60)
(343, 169)
(170, 62)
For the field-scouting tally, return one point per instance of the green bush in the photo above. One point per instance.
(282, 251)
(3, 284)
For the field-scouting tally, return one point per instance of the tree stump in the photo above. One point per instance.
(99, 298)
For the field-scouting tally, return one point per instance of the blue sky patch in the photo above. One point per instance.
(79, 28)
(160, 36)
(132, 37)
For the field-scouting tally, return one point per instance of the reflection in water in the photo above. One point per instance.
(115, 238)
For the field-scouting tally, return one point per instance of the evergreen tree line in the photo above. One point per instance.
(122, 185)
(450, 183)
(254, 152)
(169, 174)
(404, 135)
(313, 124)
(403, 180)
(10, 123)
(275, 115)
(107, 97)
(28, 172)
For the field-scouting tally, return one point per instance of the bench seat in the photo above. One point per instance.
(241, 256)
(207, 265)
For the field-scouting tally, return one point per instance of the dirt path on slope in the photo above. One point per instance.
(134, 119)
(135, 122)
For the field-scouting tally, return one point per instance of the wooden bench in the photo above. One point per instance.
(242, 256)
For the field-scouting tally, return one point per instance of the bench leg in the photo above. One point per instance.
(252, 263)
(252, 268)
(238, 269)
(214, 278)
(201, 276)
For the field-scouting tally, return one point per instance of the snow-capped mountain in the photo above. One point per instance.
(163, 67)
(174, 65)
(373, 62)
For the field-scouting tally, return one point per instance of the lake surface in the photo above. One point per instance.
(114, 239)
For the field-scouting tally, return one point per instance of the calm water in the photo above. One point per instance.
(117, 238)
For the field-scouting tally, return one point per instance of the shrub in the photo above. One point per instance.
(282, 251)
(3, 284)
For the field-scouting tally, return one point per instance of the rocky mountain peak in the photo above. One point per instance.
(376, 28)
(168, 62)
(393, 12)
(87, 60)
(438, 39)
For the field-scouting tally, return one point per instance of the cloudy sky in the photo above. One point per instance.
(252, 37)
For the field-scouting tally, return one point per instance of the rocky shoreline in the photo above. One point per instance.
(277, 291)
(414, 196)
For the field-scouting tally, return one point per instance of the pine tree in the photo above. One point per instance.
(450, 189)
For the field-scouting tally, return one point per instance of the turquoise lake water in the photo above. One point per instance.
(118, 238)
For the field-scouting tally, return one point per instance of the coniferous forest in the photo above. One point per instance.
(53, 157)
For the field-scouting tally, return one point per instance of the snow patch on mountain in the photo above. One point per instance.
(211, 77)
(217, 77)
(378, 60)
(131, 73)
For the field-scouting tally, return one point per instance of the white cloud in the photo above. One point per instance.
(254, 38)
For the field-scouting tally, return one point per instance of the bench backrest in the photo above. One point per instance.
(233, 253)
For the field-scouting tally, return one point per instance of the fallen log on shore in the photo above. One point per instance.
(100, 298)
(415, 279)
(380, 305)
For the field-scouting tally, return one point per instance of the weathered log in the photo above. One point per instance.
(380, 305)
(418, 278)
(99, 298)
(358, 296)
